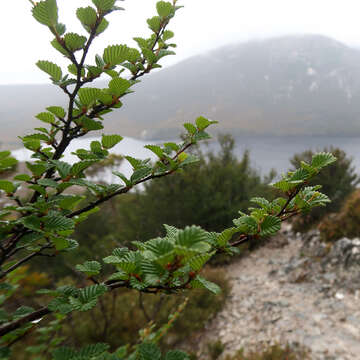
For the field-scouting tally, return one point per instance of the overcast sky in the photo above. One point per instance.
(200, 26)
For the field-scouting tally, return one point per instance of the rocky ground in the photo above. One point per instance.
(294, 290)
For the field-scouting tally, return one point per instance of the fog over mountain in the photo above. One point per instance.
(293, 85)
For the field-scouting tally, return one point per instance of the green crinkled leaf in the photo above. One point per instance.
(88, 96)
(190, 236)
(286, 185)
(201, 135)
(56, 45)
(46, 12)
(63, 353)
(159, 247)
(109, 141)
(202, 123)
(106, 98)
(149, 56)
(57, 222)
(189, 159)
(263, 203)
(120, 275)
(48, 183)
(224, 238)
(119, 86)
(4, 154)
(140, 174)
(148, 351)
(63, 168)
(157, 150)
(74, 41)
(79, 167)
(90, 124)
(60, 29)
(90, 268)
(36, 136)
(115, 54)
(50, 68)
(40, 189)
(33, 145)
(270, 225)
(154, 23)
(102, 27)
(162, 53)
(133, 55)
(120, 175)
(61, 243)
(90, 351)
(22, 311)
(247, 225)
(200, 283)
(37, 169)
(87, 297)
(31, 222)
(68, 202)
(191, 129)
(7, 163)
(153, 272)
(96, 147)
(143, 43)
(171, 231)
(197, 262)
(87, 17)
(112, 259)
(7, 186)
(104, 5)
(176, 355)
(167, 35)
(300, 175)
(28, 239)
(321, 160)
(136, 163)
(94, 71)
(164, 9)
(46, 117)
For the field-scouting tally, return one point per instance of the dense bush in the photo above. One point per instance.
(338, 181)
(345, 223)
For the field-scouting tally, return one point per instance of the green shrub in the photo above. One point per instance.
(337, 181)
(345, 223)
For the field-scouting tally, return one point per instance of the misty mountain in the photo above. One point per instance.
(293, 85)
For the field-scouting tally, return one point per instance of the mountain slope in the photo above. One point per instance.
(298, 85)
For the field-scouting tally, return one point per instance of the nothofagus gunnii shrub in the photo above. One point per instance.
(42, 225)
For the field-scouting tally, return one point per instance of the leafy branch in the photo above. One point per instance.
(173, 263)
(43, 225)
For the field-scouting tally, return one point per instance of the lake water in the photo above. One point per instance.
(265, 152)
(275, 152)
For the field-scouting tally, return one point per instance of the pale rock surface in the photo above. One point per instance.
(301, 292)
